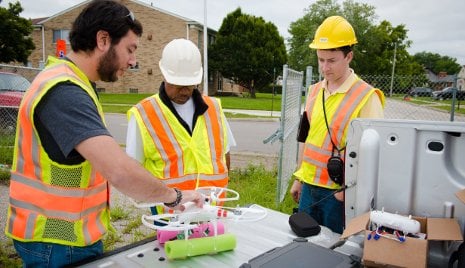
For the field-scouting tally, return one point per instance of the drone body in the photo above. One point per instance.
(196, 231)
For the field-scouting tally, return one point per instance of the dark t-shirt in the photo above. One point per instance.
(65, 117)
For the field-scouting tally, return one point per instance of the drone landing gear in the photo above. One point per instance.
(203, 230)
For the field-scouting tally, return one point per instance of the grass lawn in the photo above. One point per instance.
(120, 103)
(257, 185)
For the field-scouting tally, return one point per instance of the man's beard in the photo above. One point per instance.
(108, 66)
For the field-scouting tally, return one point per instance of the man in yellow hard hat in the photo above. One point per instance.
(179, 134)
(331, 105)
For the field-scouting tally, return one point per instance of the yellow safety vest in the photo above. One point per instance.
(52, 202)
(340, 110)
(177, 158)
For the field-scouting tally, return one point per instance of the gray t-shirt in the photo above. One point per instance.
(65, 117)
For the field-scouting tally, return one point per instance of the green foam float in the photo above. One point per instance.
(179, 249)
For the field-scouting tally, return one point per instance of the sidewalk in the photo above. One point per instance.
(254, 112)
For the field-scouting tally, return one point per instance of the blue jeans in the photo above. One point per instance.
(328, 212)
(39, 254)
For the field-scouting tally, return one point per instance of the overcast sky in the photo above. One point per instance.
(433, 25)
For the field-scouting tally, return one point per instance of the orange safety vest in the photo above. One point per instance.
(177, 158)
(52, 202)
(340, 110)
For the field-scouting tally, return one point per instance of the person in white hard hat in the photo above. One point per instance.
(179, 134)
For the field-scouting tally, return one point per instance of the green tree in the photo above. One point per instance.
(247, 50)
(374, 52)
(437, 63)
(303, 30)
(15, 41)
(384, 41)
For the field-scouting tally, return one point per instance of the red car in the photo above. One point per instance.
(12, 88)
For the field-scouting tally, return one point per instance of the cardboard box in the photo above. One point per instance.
(411, 253)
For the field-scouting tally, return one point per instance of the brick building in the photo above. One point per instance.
(160, 27)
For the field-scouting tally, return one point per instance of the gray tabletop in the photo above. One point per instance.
(253, 239)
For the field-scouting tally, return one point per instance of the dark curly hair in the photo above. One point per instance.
(107, 15)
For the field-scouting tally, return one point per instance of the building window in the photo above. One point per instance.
(211, 39)
(61, 34)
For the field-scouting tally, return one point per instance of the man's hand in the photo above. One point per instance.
(339, 196)
(191, 196)
(296, 190)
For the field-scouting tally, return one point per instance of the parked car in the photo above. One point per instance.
(421, 92)
(447, 93)
(12, 89)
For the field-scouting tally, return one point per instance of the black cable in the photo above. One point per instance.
(327, 125)
(343, 187)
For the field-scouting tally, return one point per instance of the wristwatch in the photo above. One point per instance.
(177, 201)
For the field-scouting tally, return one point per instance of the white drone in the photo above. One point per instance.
(194, 223)
(193, 215)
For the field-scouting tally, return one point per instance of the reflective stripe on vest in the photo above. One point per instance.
(168, 141)
(215, 133)
(340, 110)
(51, 202)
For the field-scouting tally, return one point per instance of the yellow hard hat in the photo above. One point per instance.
(334, 32)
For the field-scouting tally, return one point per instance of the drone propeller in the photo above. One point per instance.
(212, 196)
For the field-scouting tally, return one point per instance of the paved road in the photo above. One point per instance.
(397, 109)
(249, 134)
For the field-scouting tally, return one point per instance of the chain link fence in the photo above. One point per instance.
(287, 132)
(14, 81)
(417, 97)
(420, 98)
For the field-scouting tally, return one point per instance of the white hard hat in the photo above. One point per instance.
(180, 63)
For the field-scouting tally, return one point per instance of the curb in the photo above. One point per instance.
(253, 154)
(254, 119)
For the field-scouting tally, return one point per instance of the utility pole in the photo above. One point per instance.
(393, 68)
(205, 49)
(273, 93)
